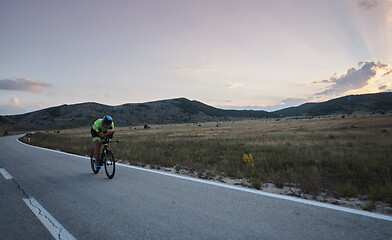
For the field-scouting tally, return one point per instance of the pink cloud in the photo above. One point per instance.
(24, 84)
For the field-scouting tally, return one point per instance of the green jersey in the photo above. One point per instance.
(98, 126)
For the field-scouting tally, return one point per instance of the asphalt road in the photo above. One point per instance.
(138, 204)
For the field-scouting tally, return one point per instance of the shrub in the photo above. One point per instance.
(369, 206)
(255, 183)
(348, 190)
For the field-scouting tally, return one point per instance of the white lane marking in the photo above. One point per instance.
(243, 189)
(5, 174)
(53, 226)
(284, 197)
(51, 150)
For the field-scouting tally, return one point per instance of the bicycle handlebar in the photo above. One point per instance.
(107, 140)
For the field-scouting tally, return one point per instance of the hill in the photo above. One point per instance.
(180, 110)
(365, 103)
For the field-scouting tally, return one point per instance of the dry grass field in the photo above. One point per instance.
(344, 156)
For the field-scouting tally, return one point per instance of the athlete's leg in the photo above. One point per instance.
(96, 147)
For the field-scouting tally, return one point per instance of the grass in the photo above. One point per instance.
(345, 157)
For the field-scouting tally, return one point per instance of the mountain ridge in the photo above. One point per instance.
(365, 103)
(182, 110)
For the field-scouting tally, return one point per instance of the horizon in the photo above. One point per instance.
(239, 109)
(251, 108)
(248, 55)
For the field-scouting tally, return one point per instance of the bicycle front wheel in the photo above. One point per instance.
(110, 165)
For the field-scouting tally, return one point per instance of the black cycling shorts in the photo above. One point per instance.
(94, 133)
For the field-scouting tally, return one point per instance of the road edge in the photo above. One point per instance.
(238, 188)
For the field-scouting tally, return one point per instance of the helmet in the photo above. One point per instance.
(107, 120)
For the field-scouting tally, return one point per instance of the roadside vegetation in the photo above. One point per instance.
(344, 156)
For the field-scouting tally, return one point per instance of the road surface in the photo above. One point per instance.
(46, 195)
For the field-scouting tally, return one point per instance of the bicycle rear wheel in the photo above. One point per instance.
(110, 165)
(92, 162)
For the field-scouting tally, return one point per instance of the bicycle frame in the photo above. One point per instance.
(107, 158)
(106, 143)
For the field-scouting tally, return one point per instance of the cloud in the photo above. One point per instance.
(368, 74)
(233, 85)
(387, 73)
(24, 84)
(193, 70)
(324, 81)
(13, 107)
(370, 77)
(14, 102)
(294, 101)
(367, 4)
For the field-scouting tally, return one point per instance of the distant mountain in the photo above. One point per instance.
(182, 110)
(366, 103)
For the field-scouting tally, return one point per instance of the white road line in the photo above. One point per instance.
(53, 226)
(51, 150)
(284, 197)
(243, 189)
(5, 174)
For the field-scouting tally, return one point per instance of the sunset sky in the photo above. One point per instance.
(238, 54)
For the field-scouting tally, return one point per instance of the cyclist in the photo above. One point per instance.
(99, 131)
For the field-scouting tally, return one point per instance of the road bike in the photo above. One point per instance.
(107, 159)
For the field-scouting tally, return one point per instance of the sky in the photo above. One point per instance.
(230, 54)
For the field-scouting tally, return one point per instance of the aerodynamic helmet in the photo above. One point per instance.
(107, 120)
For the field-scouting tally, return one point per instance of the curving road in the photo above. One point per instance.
(46, 194)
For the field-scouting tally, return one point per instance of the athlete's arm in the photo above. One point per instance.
(107, 134)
